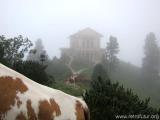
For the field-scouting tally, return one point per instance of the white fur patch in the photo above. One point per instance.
(36, 93)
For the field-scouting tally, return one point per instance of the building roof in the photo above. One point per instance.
(87, 32)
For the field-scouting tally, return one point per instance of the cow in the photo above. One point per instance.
(23, 99)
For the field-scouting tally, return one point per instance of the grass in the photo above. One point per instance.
(77, 90)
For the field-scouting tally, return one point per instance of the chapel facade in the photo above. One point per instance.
(85, 44)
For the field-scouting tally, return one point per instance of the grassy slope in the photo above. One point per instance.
(77, 90)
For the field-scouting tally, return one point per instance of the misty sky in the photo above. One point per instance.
(55, 20)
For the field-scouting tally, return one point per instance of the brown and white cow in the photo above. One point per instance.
(24, 99)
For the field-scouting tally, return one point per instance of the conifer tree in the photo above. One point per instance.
(112, 50)
(35, 71)
(151, 61)
(106, 100)
(38, 53)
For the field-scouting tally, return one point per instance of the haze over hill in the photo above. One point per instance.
(55, 20)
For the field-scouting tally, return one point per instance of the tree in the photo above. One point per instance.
(38, 53)
(112, 50)
(65, 58)
(35, 71)
(58, 69)
(13, 49)
(106, 99)
(99, 71)
(151, 61)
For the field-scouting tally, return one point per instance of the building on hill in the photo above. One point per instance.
(85, 44)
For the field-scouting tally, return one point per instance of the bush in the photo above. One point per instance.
(106, 99)
(35, 71)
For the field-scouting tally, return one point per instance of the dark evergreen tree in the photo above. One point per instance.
(99, 71)
(38, 53)
(65, 58)
(151, 61)
(35, 71)
(112, 50)
(106, 99)
(58, 69)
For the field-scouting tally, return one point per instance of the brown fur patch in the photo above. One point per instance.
(86, 113)
(8, 90)
(30, 111)
(21, 116)
(79, 111)
(47, 109)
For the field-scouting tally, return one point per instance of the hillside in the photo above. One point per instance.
(126, 74)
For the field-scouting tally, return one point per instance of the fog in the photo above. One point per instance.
(55, 20)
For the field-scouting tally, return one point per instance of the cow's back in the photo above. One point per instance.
(24, 99)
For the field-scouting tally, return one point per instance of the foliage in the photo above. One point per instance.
(34, 71)
(112, 50)
(150, 68)
(151, 61)
(106, 99)
(13, 49)
(58, 69)
(129, 76)
(65, 58)
(99, 71)
(38, 53)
